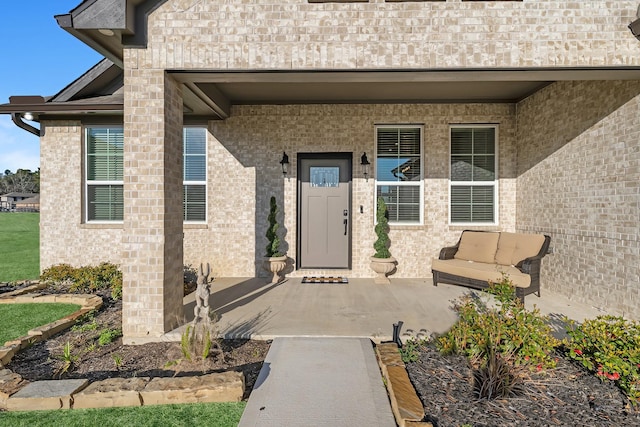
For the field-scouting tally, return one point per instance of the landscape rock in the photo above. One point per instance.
(111, 393)
(10, 383)
(42, 395)
(6, 354)
(405, 403)
(216, 387)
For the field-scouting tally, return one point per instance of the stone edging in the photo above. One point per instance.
(17, 394)
(86, 302)
(405, 403)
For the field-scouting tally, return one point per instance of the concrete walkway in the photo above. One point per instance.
(318, 382)
(321, 369)
(252, 308)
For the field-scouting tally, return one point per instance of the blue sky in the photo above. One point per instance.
(37, 57)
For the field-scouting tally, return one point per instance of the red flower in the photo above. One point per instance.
(577, 351)
(527, 358)
(614, 376)
(539, 367)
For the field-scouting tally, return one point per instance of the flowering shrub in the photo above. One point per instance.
(609, 346)
(508, 329)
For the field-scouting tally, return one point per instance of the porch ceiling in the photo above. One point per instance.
(217, 91)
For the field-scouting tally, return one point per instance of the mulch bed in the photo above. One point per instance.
(43, 360)
(565, 396)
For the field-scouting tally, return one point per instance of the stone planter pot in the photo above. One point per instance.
(275, 265)
(383, 266)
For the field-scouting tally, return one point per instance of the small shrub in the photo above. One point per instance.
(68, 359)
(107, 336)
(496, 377)
(58, 273)
(196, 342)
(86, 279)
(507, 329)
(410, 351)
(609, 346)
(381, 245)
(86, 322)
(273, 247)
(117, 360)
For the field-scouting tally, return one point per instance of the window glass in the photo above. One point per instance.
(399, 172)
(473, 174)
(195, 174)
(104, 172)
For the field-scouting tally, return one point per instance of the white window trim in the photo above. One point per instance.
(206, 174)
(420, 184)
(88, 183)
(494, 183)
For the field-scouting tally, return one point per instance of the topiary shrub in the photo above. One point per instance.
(381, 245)
(273, 247)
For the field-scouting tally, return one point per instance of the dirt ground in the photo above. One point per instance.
(96, 359)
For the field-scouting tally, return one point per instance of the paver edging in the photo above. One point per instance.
(405, 403)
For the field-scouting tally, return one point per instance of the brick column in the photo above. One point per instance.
(152, 237)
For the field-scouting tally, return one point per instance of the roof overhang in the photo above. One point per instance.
(210, 94)
(109, 25)
(219, 90)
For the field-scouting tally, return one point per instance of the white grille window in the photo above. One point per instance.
(473, 183)
(195, 174)
(103, 174)
(399, 172)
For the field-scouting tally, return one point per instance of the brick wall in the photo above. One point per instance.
(64, 238)
(578, 178)
(294, 34)
(244, 172)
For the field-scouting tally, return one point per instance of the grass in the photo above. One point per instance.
(18, 319)
(19, 246)
(196, 414)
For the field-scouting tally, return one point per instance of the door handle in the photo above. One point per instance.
(345, 222)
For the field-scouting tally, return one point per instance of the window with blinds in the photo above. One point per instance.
(399, 172)
(195, 174)
(473, 174)
(103, 166)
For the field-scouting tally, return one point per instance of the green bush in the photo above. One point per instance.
(410, 351)
(107, 336)
(381, 245)
(87, 278)
(508, 329)
(609, 346)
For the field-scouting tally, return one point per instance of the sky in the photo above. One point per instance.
(37, 57)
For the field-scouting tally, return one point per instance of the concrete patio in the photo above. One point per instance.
(253, 308)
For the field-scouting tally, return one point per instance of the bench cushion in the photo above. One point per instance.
(515, 247)
(478, 246)
(486, 272)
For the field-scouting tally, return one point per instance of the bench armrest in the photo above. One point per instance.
(448, 252)
(530, 265)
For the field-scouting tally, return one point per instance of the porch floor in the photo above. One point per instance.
(252, 308)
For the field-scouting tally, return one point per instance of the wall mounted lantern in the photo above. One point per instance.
(635, 25)
(285, 164)
(364, 162)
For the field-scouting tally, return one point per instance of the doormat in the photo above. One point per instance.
(324, 279)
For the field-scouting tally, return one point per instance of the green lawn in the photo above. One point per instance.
(19, 246)
(18, 319)
(197, 414)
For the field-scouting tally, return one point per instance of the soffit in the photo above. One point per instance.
(220, 90)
